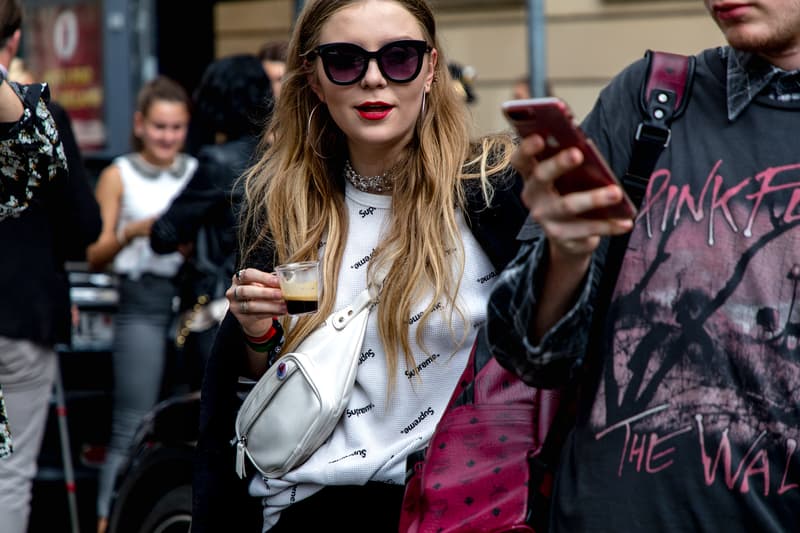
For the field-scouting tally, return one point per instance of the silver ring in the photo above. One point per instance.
(243, 306)
(236, 293)
(239, 275)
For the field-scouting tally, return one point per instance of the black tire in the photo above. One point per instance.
(171, 514)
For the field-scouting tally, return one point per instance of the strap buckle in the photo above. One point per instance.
(654, 134)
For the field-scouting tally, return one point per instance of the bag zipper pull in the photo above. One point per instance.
(240, 444)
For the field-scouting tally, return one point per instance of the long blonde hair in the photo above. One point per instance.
(295, 193)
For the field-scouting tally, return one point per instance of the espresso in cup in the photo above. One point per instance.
(300, 285)
(302, 299)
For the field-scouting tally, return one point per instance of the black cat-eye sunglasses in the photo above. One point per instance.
(347, 63)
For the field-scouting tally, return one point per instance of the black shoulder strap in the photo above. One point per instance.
(665, 92)
(664, 95)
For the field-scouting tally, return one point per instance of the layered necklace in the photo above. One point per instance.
(371, 184)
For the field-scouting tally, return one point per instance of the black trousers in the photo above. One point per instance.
(371, 508)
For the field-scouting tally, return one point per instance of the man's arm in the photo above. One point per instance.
(180, 223)
(547, 358)
(541, 308)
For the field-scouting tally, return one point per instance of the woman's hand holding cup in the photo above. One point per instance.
(255, 298)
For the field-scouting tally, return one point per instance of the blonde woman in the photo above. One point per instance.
(371, 169)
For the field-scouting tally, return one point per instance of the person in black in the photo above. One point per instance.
(231, 106)
(46, 215)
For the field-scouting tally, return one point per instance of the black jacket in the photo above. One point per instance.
(62, 220)
(221, 502)
(205, 213)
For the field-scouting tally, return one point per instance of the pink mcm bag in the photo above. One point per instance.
(481, 471)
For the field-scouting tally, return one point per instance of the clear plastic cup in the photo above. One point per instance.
(300, 285)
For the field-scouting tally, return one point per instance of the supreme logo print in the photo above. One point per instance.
(422, 416)
(367, 211)
(422, 366)
(363, 261)
(488, 277)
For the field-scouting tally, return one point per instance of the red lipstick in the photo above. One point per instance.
(374, 110)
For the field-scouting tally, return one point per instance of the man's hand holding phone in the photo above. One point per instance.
(571, 193)
(551, 119)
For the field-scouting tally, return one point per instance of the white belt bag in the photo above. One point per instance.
(297, 403)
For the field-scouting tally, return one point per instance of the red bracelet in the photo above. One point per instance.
(267, 342)
(265, 337)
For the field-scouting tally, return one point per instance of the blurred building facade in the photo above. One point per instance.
(587, 41)
(96, 53)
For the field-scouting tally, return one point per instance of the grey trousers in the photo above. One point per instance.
(27, 371)
(140, 340)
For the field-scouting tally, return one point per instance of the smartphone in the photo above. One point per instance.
(552, 119)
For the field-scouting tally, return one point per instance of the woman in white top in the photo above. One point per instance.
(132, 192)
(372, 170)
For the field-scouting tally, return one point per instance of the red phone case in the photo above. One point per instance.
(552, 119)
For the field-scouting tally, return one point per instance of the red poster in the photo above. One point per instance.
(63, 46)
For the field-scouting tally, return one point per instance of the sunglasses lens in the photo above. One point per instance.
(344, 63)
(401, 62)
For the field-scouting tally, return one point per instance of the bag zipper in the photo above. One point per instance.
(241, 443)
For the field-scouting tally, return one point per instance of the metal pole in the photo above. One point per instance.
(66, 451)
(537, 48)
(298, 6)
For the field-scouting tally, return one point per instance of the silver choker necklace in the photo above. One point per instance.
(370, 184)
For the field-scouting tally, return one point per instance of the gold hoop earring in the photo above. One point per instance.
(421, 117)
(308, 130)
(310, 117)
